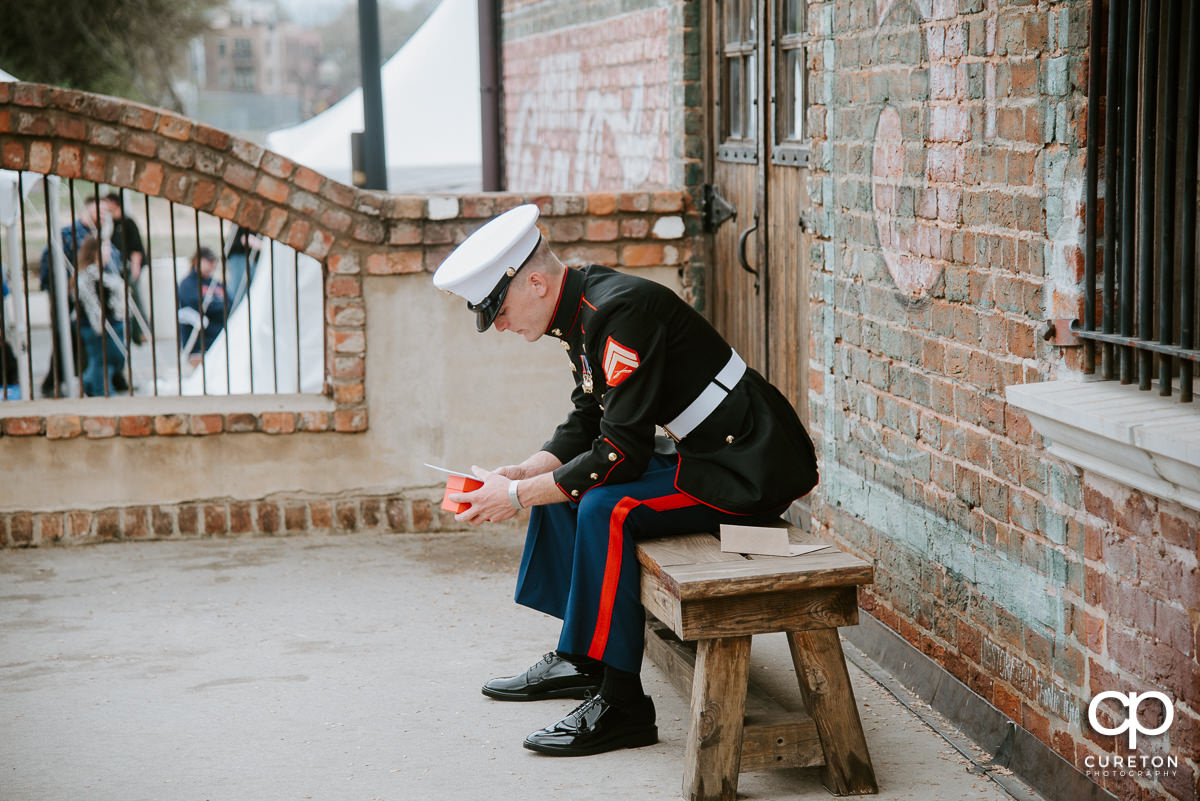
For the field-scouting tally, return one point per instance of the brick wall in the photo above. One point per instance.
(377, 250)
(413, 511)
(949, 174)
(601, 96)
(353, 232)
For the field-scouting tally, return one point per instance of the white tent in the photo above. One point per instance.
(431, 112)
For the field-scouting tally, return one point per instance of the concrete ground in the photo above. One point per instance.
(337, 667)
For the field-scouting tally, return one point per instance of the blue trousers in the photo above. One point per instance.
(93, 375)
(580, 561)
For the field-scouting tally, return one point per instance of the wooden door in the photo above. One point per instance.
(760, 167)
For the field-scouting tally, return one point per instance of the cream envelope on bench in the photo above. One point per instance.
(762, 540)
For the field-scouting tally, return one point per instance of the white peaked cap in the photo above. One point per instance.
(477, 266)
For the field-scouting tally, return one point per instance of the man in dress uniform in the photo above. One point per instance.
(642, 358)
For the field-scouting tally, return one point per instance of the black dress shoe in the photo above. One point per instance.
(597, 726)
(552, 677)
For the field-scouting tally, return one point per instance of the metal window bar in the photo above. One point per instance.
(127, 276)
(203, 327)
(25, 282)
(67, 211)
(274, 340)
(74, 287)
(4, 349)
(1189, 121)
(228, 300)
(152, 335)
(101, 291)
(24, 276)
(1147, 264)
(175, 289)
(251, 267)
(296, 275)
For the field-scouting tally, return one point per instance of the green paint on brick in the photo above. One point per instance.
(1028, 595)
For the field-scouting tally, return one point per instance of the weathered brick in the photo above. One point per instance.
(49, 528)
(344, 286)
(108, 524)
(135, 522)
(347, 516)
(369, 513)
(162, 521)
(211, 137)
(216, 519)
(175, 127)
(267, 516)
(240, 175)
(312, 421)
(99, 427)
(421, 515)
(277, 165)
(350, 420)
(295, 517)
(63, 426)
(203, 424)
(171, 424)
(321, 513)
(307, 179)
(189, 520)
(241, 422)
(278, 422)
(240, 520)
(348, 393)
(151, 179)
(13, 156)
(41, 156)
(642, 255)
(136, 426)
(272, 189)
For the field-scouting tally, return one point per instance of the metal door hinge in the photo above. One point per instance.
(716, 209)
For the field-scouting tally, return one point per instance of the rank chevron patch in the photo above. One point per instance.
(619, 362)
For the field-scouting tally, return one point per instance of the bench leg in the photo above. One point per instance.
(714, 743)
(821, 670)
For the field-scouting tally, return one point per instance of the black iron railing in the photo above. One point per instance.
(253, 323)
(1146, 264)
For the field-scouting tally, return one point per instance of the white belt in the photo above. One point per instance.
(708, 400)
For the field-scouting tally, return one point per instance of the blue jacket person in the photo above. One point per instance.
(642, 359)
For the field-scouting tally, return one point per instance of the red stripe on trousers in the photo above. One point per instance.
(612, 564)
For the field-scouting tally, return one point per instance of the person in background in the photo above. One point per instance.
(240, 263)
(202, 292)
(101, 320)
(91, 221)
(10, 381)
(128, 240)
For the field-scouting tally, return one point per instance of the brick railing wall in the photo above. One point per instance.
(413, 511)
(353, 232)
(950, 170)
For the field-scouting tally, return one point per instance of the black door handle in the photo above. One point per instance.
(743, 238)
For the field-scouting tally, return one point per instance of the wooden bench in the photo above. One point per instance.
(719, 600)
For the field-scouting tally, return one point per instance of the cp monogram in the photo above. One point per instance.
(1131, 702)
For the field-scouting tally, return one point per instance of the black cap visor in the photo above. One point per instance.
(487, 309)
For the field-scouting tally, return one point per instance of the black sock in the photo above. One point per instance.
(621, 687)
(582, 662)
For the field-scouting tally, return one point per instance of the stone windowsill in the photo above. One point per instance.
(123, 405)
(1140, 439)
